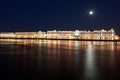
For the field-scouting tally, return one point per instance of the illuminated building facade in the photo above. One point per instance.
(60, 34)
(7, 35)
(25, 34)
(40, 35)
(77, 34)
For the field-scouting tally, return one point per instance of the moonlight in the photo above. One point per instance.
(91, 12)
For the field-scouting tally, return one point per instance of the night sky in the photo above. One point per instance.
(35, 15)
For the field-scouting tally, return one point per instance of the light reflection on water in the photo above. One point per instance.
(90, 69)
(60, 59)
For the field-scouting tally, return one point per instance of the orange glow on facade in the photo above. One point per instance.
(77, 34)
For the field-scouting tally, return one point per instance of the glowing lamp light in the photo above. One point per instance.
(76, 33)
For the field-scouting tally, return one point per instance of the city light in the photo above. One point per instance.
(77, 34)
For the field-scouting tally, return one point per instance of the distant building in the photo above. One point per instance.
(77, 34)
(25, 34)
(60, 34)
(7, 35)
(40, 34)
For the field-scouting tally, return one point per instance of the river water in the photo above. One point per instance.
(59, 59)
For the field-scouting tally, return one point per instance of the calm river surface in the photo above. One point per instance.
(59, 59)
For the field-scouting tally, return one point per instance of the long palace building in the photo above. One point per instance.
(77, 34)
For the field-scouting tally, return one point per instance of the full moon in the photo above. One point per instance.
(91, 12)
